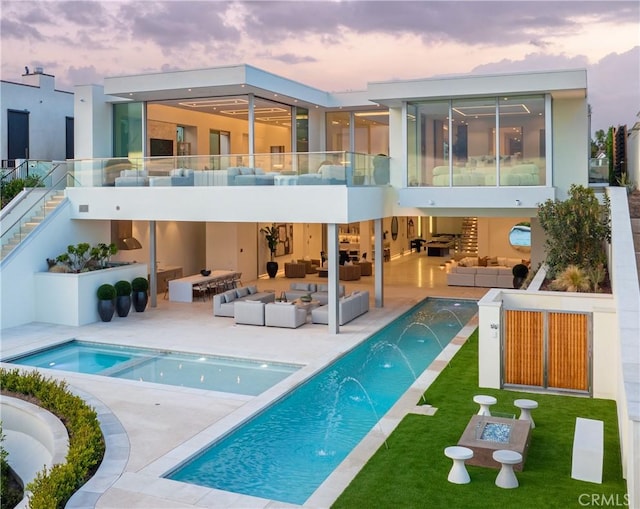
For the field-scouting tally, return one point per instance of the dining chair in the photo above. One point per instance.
(236, 279)
(201, 290)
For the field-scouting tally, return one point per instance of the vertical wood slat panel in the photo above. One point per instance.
(568, 351)
(523, 363)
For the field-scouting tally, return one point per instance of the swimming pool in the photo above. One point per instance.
(225, 374)
(286, 452)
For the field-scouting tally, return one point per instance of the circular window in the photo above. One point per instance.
(520, 236)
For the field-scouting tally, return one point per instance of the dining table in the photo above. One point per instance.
(181, 289)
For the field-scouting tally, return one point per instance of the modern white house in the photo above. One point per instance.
(193, 163)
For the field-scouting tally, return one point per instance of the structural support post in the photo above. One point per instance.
(379, 263)
(333, 279)
(153, 269)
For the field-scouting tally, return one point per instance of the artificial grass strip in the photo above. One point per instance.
(412, 472)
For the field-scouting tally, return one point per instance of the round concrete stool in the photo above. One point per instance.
(485, 402)
(458, 473)
(525, 406)
(506, 478)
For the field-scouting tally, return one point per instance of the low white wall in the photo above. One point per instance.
(605, 344)
(34, 438)
(70, 299)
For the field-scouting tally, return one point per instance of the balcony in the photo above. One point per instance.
(277, 169)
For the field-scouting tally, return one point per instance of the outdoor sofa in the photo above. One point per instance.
(224, 303)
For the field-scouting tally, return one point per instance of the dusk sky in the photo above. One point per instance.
(333, 45)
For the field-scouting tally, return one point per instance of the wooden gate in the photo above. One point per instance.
(547, 349)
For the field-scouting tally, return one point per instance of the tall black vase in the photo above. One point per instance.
(140, 300)
(272, 269)
(106, 308)
(123, 305)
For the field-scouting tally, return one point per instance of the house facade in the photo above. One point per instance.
(37, 120)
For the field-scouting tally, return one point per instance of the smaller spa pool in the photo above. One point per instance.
(224, 374)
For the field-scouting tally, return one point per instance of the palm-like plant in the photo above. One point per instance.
(272, 236)
(572, 279)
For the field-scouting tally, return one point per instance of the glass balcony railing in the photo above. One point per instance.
(300, 168)
(482, 171)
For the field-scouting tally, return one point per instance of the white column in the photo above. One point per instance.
(333, 280)
(379, 263)
(153, 265)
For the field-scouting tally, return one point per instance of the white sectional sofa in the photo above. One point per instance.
(224, 303)
(284, 314)
(249, 312)
(349, 308)
(468, 273)
(318, 292)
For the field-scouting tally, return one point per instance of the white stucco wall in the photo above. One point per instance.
(570, 144)
(48, 109)
(605, 342)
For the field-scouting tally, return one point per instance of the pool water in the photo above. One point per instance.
(288, 450)
(225, 374)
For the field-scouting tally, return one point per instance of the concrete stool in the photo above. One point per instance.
(525, 406)
(458, 473)
(485, 402)
(506, 478)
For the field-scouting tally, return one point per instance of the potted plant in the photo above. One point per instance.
(123, 298)
(139, 286)
(76, 257)
(101, 253)
(520, 272)
(271, 235)
(106, 305)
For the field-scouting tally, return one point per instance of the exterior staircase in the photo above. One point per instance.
(634, 212)
(469, 238)
(30, 222)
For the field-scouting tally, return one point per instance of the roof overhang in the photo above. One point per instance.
(560, 84)
(215, 82)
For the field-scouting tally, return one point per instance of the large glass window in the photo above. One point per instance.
(454, 143)
(338, 131)
(127, 130)
(369, 131)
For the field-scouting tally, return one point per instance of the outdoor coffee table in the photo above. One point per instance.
(307, 306)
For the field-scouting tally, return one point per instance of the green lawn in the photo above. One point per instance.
(413, 471)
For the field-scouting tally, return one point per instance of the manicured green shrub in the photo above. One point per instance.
(140, 284)
(520, 270)
(576, 230)
(53, 488)
(123, 288)
(106, 292)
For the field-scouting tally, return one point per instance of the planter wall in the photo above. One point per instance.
(70, 299)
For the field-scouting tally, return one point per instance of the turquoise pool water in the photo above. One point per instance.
(288, 450)
(225, 374)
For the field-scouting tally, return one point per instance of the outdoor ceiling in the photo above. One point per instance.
(237, 107)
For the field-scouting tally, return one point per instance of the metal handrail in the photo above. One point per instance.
(28, 214)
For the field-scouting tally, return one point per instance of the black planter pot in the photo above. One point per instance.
(272, 269)
(517, 282)
(106, 308)
(140, 300)
(123, 305)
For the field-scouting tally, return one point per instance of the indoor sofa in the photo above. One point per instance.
(318, 292)
(224, 303)
(349, 308)
(474, 271)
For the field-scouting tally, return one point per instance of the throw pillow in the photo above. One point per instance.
(483, 262)
(242, 292)
(252, 290)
